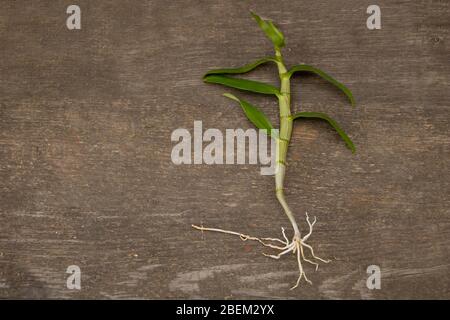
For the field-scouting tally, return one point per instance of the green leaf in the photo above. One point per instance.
(244, 69)
(331, 121)
(307, 68)
(243, 84)
(256, 116)
(270, 30)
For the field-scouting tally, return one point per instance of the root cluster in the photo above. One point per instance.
(297, 246)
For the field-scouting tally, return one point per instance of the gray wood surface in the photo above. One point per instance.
(85, 171)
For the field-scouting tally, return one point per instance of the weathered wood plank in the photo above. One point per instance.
(85, 170)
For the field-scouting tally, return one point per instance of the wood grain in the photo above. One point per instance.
(86, 176)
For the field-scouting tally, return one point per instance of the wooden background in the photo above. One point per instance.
(86, 176)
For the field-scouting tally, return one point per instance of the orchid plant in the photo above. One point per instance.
(298, 244)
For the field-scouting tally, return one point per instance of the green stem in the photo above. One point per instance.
(284, 138)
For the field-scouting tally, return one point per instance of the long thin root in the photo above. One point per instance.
(245, 237)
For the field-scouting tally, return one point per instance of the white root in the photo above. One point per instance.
(296, 246)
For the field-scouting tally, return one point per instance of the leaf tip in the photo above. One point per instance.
(208, 77)
(230, 96)
(254, 15)
(271, 31)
